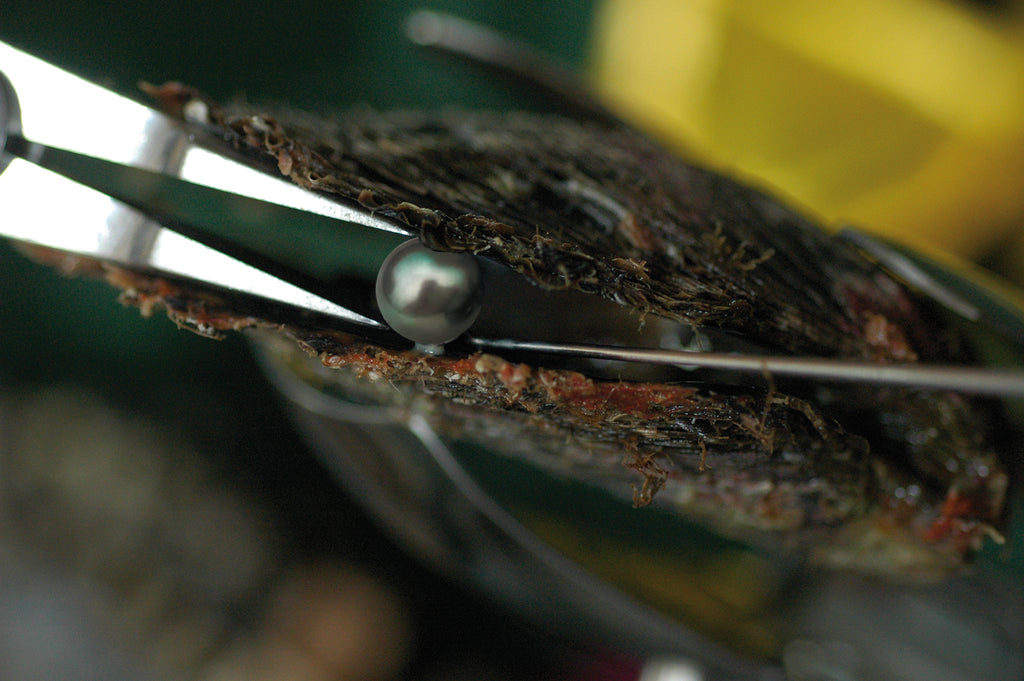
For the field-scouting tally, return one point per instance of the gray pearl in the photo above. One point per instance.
(428, 296)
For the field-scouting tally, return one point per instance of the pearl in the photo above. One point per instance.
(428, 296)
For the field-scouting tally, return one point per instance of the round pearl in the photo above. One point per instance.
(428, 296)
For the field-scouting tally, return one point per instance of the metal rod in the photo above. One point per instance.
(988, 381)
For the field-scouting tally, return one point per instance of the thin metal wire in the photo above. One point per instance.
(987, 381)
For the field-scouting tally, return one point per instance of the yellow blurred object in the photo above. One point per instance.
(904, 117)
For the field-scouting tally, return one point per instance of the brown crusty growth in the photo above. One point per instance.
(598, 208)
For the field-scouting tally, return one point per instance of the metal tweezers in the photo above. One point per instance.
(60, 134)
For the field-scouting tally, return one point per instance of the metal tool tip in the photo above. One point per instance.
(424, 27)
